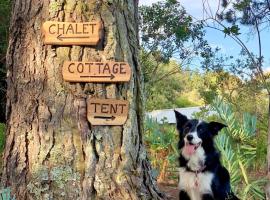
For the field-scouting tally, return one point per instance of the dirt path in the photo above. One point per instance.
(170, 190)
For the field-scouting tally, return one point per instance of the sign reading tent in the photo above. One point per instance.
(66, 33)
(96, 71)
(107, 111)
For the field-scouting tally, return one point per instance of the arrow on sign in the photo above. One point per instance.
(103, 117)
(61, 37)
(110, 76)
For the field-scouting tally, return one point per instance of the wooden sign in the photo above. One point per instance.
(96, 71)
(66, 33)
(107, 111)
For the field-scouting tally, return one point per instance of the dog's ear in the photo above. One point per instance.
(215, 127)
(181, 120)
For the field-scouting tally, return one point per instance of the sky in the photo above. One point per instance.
(217, 39)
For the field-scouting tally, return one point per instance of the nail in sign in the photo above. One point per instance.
(107, 111)
(66, 33)
(96, 71)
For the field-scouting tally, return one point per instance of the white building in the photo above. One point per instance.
(169, 116)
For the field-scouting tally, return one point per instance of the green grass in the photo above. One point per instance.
(2, 137)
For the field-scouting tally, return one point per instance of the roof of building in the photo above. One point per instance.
(169, 116)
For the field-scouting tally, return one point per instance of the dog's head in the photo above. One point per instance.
(195, 134)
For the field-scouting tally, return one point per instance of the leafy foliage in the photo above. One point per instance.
(231, 30)
(161, 87)
(161, 141)
(238, 146)
(247, 12)
(167, 32)
(241, 131)
(166, 27)
(169, 86)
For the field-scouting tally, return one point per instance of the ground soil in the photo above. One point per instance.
(170, 190)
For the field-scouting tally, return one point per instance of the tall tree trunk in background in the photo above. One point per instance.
(52, 151)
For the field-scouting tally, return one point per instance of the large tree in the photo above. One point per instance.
(52, 151)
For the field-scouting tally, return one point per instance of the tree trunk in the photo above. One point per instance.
(52, 151)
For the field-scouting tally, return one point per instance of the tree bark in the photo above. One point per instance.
(52, 151)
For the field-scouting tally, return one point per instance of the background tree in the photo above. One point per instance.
(168, 32)
(52, 152)
(166, 90)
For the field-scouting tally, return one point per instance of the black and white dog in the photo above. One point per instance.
(202, 177)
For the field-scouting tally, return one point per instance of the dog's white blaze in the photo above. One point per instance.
(196, 139)
(187, 182)
(196, 160)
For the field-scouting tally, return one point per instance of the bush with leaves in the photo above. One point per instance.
(238, 146)
(161, 141)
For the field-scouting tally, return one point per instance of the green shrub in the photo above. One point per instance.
(161, 141)
(183, 102)
(238, 146)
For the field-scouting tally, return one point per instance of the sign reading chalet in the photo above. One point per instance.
(67, 33)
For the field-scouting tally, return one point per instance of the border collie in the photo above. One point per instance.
(202, 177)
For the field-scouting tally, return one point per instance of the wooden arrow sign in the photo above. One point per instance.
(96, 71)
(66, 33)
(107, 111)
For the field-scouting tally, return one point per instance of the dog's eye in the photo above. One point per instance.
(200, 130)
(187, 129)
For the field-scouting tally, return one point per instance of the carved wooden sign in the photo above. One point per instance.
(96, 71)
(66, 33)
(107, 111)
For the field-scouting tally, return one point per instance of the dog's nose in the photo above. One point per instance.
(189, 137)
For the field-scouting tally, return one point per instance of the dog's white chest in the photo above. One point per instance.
(194, 185)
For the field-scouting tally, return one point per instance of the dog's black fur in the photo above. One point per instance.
(209, 159)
